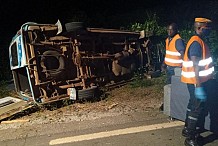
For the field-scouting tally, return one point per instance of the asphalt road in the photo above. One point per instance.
(135, 129)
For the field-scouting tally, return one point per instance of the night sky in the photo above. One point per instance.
(14, 13)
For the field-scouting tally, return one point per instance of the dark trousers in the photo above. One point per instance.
(195, 111)
(170, 72)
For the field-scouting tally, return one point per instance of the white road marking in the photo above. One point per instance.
(115, 132)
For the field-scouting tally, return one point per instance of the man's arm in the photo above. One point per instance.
(195, 61)
(180, 47)
(182, 54)
(200, 93)
(195, 52)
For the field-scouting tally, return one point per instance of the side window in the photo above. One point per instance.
(14, 54)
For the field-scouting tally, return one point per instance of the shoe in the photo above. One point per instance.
(185, 132)
(191, 142)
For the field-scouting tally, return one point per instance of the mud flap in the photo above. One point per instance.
(11, 105)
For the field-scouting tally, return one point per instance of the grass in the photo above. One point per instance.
(3, 90)
(139, 81)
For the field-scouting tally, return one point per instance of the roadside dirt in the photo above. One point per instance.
(123, 100)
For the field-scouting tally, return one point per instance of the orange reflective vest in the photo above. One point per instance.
(172, 57)
(205, 64)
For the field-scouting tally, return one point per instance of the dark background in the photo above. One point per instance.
(97, 13)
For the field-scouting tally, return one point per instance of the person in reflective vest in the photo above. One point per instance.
(174, 51)
(175, 48)
(197, 70)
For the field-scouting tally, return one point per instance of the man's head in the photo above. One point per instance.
(172, 29)
(202, 26)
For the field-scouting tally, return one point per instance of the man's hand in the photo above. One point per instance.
(200, 93)
(163, 67)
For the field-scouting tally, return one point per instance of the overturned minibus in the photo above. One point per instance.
(51, 63)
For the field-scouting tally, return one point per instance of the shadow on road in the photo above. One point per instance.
(210, 138)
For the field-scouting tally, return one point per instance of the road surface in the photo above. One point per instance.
(135, 129)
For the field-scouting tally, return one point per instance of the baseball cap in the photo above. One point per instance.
(202, 20)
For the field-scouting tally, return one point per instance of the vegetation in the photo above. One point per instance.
(150, 26)
(3, 89)
(213, 43)
(140, 81)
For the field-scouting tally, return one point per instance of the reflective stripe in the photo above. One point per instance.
(201, 73)
(192, 118)
(205, 62)
(188, 74)
(201, 62)
(173, 53)
(173, 60)
(206, 72)
(187, 63)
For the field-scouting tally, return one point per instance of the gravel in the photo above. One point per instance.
(120, 101)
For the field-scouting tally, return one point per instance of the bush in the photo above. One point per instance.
(141, 81)
(3, 89)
